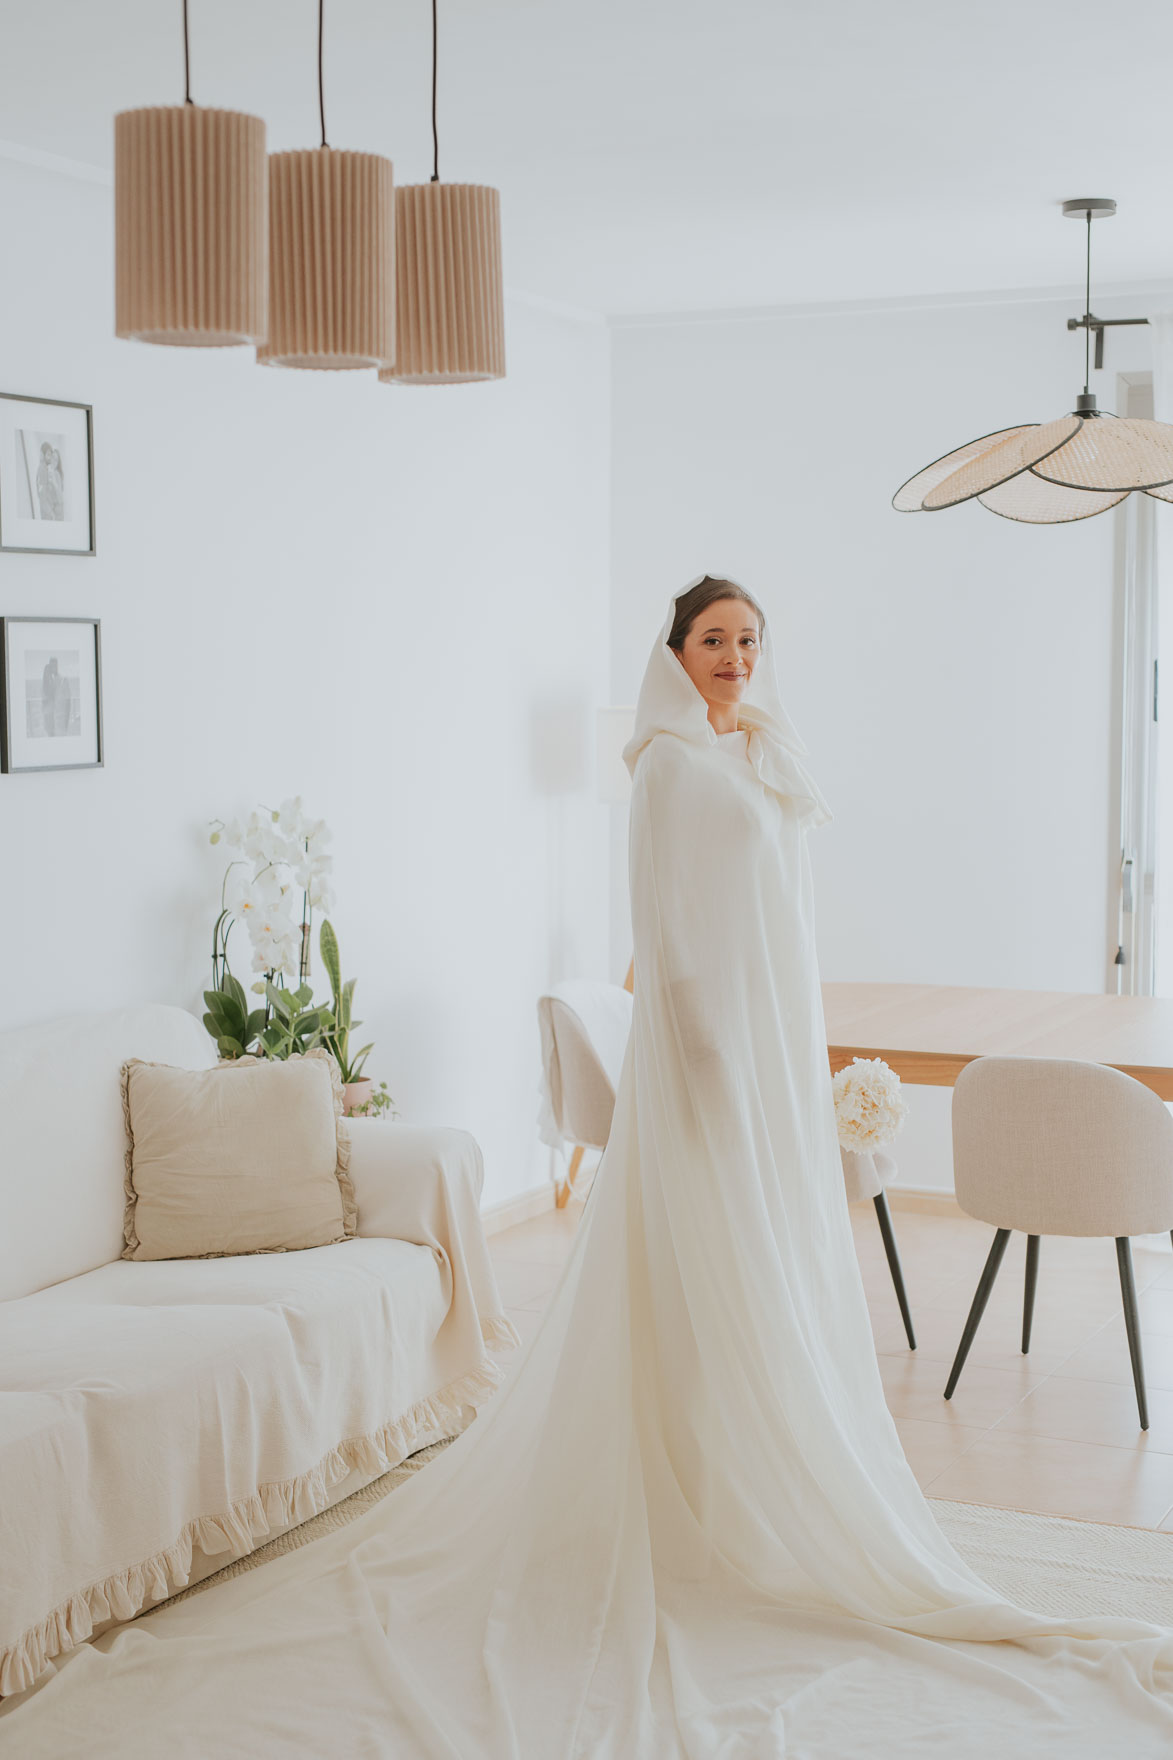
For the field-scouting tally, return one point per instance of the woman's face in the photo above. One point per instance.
(721, 650)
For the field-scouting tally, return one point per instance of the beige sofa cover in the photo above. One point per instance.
(159, 1419)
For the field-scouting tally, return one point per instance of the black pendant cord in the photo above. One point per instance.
(186, 59)
(435, 130)
(1087, 310)
(321, 81)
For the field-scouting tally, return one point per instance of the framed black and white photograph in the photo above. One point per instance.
(46, 475)
(50, 694)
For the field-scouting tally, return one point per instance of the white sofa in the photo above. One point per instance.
(159, 1419)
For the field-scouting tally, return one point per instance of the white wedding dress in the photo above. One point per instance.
(686, 1530)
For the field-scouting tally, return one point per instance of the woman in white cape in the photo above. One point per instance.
(686, 1530)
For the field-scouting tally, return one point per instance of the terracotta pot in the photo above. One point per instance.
(356, 1094)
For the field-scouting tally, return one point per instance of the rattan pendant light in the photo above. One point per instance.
(190, 224)
(1051, 473)
(331, 254)
(450, 313)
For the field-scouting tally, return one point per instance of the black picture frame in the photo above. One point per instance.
(8, 518)
(12, 744)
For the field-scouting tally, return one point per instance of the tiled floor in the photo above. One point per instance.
(1056, 1431)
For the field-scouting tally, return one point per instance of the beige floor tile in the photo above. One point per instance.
(1095, 1411)
(523, 1283)
(1156, 1311)
(537, 1239)
(914, 1387)
(1104, 1357)
(932, 1447)
(1081, 1479)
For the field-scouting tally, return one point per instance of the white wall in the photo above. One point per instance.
(390, 601)
(952, 674)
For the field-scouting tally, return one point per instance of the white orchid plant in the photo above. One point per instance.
(275, 882)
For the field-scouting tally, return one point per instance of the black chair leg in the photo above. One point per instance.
(1132, 1324)
(978, 1306)
(885, 1217)
(1028, 1295)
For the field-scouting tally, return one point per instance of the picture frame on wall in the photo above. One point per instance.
(50, 694)
(46, 476)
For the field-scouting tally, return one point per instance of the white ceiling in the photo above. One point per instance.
(668, 155)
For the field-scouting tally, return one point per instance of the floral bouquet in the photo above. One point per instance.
(277, 879)
(868, 1108)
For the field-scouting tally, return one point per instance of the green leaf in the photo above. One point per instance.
(228, 1047)
(233, 988)
(254, 1024)
(328, 944)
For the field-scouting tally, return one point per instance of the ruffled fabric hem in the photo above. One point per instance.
(250, 1520)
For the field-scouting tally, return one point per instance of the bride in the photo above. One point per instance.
(686, 1529)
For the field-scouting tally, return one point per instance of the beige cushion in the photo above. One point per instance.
(249, 1157)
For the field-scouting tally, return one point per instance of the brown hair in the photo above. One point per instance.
(697, 599)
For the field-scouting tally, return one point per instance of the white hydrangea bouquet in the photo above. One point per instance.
(869, 1110)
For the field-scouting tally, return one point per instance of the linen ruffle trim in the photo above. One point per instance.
(280, 1504)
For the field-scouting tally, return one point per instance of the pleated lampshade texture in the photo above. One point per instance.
(191, 226)
(331, 260)
(450, 325)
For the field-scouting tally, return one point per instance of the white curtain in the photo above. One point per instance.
(1157, 737)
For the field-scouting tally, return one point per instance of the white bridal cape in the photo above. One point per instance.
(686, 1529)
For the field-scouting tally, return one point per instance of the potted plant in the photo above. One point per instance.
(336, 1036)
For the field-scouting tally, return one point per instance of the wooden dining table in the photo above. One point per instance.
(928, 1033)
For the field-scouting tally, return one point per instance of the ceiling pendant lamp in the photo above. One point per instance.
(331, 254)
(450, 312)
(1052, 473)
(190, 224)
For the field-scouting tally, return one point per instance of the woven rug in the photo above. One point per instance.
(1044, 1562)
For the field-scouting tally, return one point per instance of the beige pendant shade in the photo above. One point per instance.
(1113, 453)
(450, 327)
(997, 464)
(331, 260)
(909, 498)
(1032, 501)
(191, 226)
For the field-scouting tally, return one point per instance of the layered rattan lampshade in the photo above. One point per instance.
(450, 313)
(191, 226)
(1049, 473)
(331, 260)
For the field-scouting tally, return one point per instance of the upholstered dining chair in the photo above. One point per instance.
(584, 1028)
(1049, 1145)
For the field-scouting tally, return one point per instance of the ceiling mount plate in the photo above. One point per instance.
(1089, 207)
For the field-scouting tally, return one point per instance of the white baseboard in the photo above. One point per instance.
(520, 1209)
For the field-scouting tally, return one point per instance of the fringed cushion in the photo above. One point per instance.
(249, 1157)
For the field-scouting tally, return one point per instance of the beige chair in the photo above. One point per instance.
(584, 1028)
(1052, 1146)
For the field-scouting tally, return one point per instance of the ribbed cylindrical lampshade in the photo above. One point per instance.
(450, 326)
(331, 260)
(191, 226)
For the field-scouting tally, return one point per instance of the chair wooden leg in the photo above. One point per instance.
(1028, 1294)
(562, 1195)
(885, 1217)
(978, 1306)
(1132, 1324)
